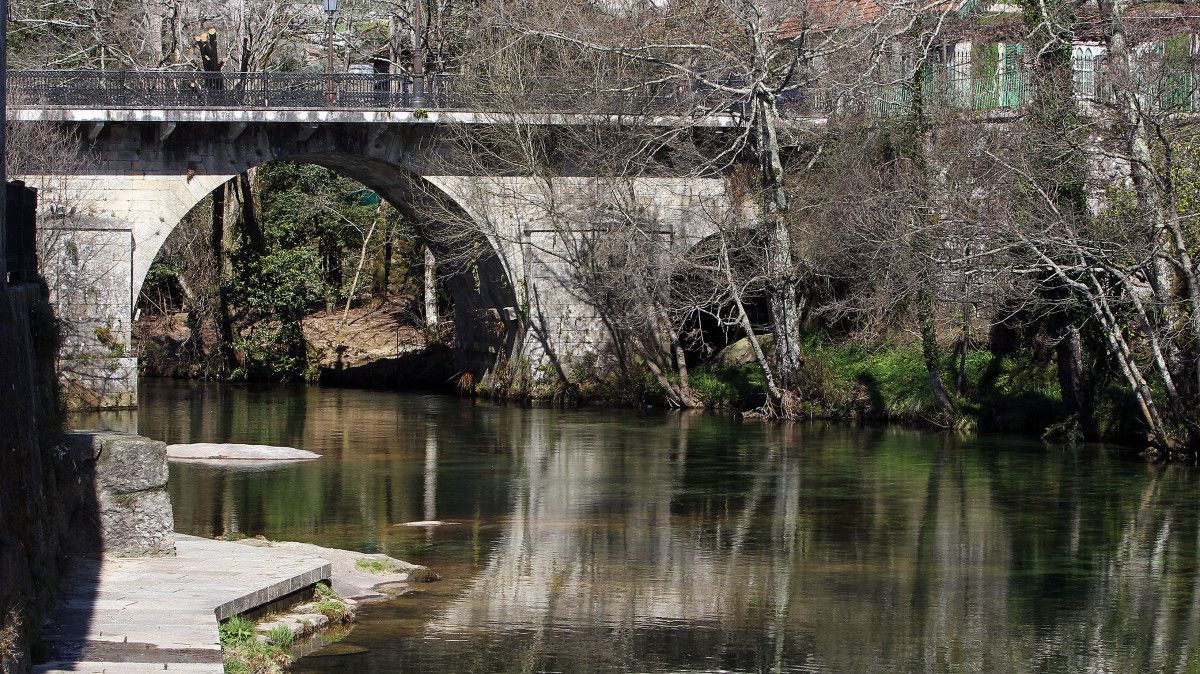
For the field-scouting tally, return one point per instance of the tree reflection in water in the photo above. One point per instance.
(614, 541)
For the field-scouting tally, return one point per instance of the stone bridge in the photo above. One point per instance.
(151, 157)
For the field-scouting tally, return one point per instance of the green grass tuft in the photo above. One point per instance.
(281, 636)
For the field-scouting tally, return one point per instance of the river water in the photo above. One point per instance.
(618, 540)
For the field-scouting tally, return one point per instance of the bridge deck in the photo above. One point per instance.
(343, 116)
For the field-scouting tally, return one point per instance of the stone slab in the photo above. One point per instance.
(122, 614)
(226, 452)
(130, 463)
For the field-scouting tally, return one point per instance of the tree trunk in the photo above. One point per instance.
(381, 284)
(782, 286)
(1173, 266)
(932, 355)
(779, 401)
(251, 227)
(431, 303)
(1074, 382)
(220, 357)
(922, 218)
(153, 11)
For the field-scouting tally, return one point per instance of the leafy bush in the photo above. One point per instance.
(721, 386)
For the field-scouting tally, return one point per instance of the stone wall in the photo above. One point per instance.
(60, 498)
(39, 490)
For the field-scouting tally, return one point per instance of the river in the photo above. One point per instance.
(625, 540)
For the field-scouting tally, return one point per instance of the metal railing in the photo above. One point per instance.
(163, 89)
(341, 91)
(950, 84)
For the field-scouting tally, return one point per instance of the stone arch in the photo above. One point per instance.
(483, 329)
(140, 196)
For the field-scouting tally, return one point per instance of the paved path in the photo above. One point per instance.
(161, 613)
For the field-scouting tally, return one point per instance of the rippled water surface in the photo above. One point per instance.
(621, 540)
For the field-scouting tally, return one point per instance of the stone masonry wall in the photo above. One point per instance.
(51, 491)
(38, 489)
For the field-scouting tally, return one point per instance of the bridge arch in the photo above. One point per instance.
(483, 329)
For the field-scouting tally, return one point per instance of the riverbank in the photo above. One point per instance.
(372, 344)
(994, 386)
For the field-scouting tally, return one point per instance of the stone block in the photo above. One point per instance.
(83, 445)
(137, 524)
(130, 463)
(132, 507)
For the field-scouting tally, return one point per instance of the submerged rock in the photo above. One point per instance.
(338, 649)
(235, 454)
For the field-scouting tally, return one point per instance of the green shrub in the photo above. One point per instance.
(244, 653)
(721, 386)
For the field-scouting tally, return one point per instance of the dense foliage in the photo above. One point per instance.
(316, 241)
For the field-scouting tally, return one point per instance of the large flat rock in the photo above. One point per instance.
(232, 454)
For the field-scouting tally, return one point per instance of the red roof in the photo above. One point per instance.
(822, 15)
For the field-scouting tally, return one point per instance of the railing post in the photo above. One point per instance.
(418, 84)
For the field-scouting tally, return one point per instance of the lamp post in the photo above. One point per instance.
(418, 59)
(330, 9)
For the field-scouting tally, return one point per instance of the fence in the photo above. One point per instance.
(980, 80)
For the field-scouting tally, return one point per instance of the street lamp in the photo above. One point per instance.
(418, 58)
(330, 9)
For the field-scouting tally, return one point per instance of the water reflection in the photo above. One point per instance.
(619, 541)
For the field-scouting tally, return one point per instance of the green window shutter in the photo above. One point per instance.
(985, 76)
(1177, 79)
(1010, 76)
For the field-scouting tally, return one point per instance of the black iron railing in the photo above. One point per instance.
(346, 91)
(158, 89)
(955, 83)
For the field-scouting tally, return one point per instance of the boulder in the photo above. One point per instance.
(741, 353)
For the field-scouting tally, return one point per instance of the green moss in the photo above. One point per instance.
(333, 609)
(379, 566)
(330, 605)
(370, 565)
(891, 382)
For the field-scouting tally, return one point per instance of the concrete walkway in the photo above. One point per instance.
(161, 613)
